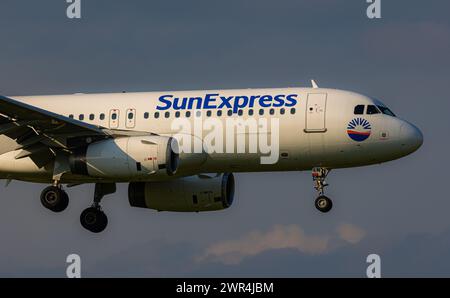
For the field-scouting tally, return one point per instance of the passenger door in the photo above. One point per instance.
(315, 112)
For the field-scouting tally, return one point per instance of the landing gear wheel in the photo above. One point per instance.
(94, 220)
(54, 199)
(323, 204)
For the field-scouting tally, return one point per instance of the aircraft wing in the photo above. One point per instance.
(39, 132)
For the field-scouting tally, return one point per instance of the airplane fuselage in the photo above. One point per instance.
(314, 127)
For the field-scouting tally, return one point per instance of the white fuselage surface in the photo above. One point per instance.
(301, 127)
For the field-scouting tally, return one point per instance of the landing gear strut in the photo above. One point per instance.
(54, 198)
(93, 218)
(323, 203)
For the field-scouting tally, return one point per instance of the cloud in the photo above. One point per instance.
(280, 237)
(350, 233)
(254, 243)
(416, 255)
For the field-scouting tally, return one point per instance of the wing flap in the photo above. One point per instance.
(44, 120)
(40, 133)
(36, 148)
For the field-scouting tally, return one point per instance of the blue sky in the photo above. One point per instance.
(398, 210)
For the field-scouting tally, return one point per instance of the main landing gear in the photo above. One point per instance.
(54, 198)
(93, 218)
(323, 203)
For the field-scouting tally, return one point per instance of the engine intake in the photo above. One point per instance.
(189, 194)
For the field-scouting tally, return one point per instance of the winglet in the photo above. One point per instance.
(314, 85)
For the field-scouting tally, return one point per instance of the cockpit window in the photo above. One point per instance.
(371, 109)
(359, 110)
(386, 111)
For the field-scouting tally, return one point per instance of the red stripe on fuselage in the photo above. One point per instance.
(358, 132)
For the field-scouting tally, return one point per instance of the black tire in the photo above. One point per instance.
(54, 199)
(323, 204)
(94, 220)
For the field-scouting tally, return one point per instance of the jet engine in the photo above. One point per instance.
(130, 158)
(188, 194)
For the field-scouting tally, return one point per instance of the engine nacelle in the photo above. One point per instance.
(189, 194)
(128, 158)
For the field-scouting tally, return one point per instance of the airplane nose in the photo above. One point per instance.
(411, 136)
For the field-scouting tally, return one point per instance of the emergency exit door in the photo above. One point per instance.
(315, 112)
(114, 118)
(131, 118)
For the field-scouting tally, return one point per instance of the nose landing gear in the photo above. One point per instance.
(322, 203)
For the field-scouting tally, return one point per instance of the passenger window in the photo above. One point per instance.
(71, 116)
(261, 112)
(282, 110)
(156, 115)
(208, 113)
(130, 116)
(114, 116)
(91, 117)
(188, 114)
(359, 110)
(240, 112)
(271, 111)
(146, 115)
(250, 112)
(230, 112)
(371, 109)
(167, 114)
(81, 117)
(177, 114)
(198, 113)
(293, 111)
(219, 113)
(102, 116)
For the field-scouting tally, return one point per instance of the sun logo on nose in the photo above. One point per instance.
(359, 129)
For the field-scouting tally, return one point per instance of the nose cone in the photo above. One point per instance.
(411, 138)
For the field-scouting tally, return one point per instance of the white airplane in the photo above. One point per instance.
(135, 138)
